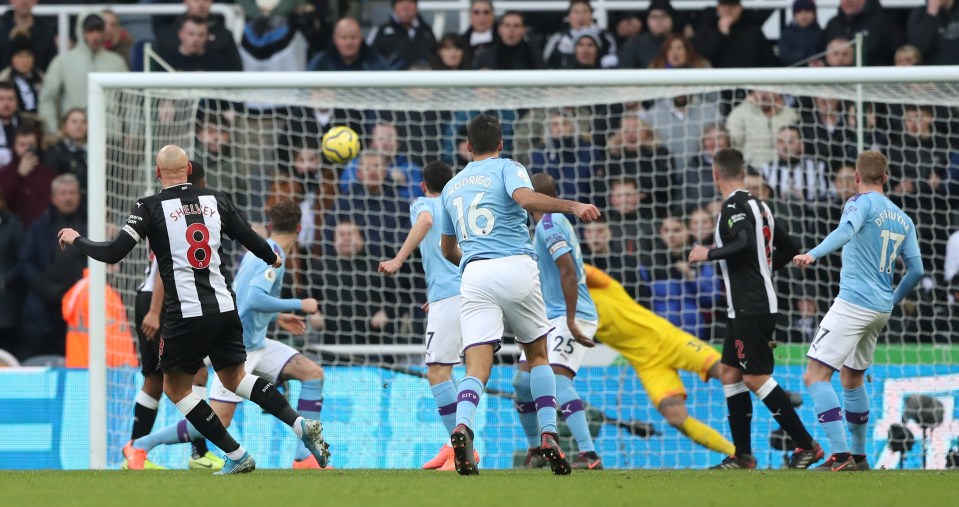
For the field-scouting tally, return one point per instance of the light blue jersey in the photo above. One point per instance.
(442, 276)
(555, 237)
(480, 211)
(257, 286)
(881, 233)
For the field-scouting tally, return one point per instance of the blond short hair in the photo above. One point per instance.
(872, 166)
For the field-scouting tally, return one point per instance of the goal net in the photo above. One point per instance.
(642, 154)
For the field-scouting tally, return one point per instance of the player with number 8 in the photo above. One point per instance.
(872, 233)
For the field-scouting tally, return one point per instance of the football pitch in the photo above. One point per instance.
(608, 488)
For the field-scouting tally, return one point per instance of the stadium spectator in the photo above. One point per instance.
(693, 186)
(840, 53)
(950, 266)
(42, 32)
(451, 54)
(753, 125)
(214, 150)
(512, 51)
(529, 130)
(804, 317)
(11, 236)
(934, 30)
(65, 84)
(318, 180)
(792, 175)
(402, 174)
(679, 121)
(371, 202)
(677, 52)
(640, 50)
(735, 39)
(907, 55)
(882, 35)
(917, 152)
(25, 180)
(586, 47)
(598, 250)
(115, 38)
(350, 290)
(560, 50)
(348, 52)
(567, 157)
(49, 271)
(69, 154)
(405, 39)
(826, 133)
(626, 27)
(674, 289)
(636, 152)
(481, 35)
(220, 40)
(701, 225)
(631, 232)
(24, 74)
(192, 55)
(10, 120)
(802, 38)
(275, 35)
(76, 313)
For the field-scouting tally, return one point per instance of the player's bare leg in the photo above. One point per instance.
(310, 404)
(263, 393)
(543, 386)
(479, 364)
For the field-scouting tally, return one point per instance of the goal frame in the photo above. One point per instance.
(99, 83)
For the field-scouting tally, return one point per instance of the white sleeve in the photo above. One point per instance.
(952, 257)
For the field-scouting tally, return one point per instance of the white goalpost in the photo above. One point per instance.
(256, 114)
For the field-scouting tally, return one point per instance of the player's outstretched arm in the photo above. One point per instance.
(700, 253)
(569, 281)
(785, 248)
(110, 252)
(451, 249)
(539, 203)
(836, 240)
(424, 221)
(261, 301)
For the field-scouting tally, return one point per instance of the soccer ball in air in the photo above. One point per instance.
(340, 145)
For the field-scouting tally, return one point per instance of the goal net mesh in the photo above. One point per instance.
(642, 154)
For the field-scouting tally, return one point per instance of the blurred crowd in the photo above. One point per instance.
(646, 164)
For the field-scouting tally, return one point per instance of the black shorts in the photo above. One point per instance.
(149, 349)
(187, 342)
(748, 343)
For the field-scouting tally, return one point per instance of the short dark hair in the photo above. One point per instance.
(197, 176)
(544, 184)
(484, 134)
(195, 20)
(436, 175)
(574, 2)
(514, 13)
(285, 216)
(8, 85)
(730, 164)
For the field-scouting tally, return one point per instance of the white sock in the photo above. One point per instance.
(297, 427)
(237, 454)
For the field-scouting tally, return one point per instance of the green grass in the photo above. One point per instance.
(337, 488)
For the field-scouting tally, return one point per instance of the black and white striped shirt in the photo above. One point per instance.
(802, 180)
(746, 233)
(186, 226)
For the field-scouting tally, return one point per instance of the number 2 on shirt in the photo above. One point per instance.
(473, 214)
(897, 239)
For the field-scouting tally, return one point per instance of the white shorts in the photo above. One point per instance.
(267, 362)
(494, 289)
(847, 336)
(444, 336)
(561, 349)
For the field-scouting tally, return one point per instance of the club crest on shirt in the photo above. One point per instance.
(270, 275)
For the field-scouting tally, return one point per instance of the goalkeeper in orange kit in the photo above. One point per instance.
(657, 350)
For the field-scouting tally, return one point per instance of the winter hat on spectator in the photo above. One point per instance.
(662, 5)
(93, 22)
(804, 5)
(592, 33)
